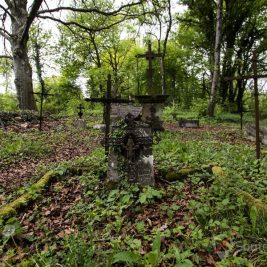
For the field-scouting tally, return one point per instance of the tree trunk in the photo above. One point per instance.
(23, 77)
(22, 67)
(215, 79)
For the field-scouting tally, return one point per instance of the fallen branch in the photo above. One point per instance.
(13, 207)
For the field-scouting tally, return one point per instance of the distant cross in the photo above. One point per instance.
(107, 100)
(80, 110)
(150, 56)
(43, 94)
(255, 77)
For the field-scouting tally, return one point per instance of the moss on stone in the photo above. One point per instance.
(254, 202)
(10, 209)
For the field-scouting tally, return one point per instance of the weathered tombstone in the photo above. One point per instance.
(131, 148)
(129, 145)
(80, 123)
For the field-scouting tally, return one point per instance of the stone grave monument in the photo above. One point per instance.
(131, 147)
(128, 140)
(152, 103)
(80, 122)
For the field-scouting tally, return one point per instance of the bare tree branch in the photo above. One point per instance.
(34, 10)
(91, 10)
(5, 34)
(6, 11)
(6, 56)
(73, 23)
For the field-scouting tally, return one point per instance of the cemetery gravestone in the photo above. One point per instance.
(131, 147)
(80, 123)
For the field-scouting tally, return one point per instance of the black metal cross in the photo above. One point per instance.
(43, 94)
(255, 76)
(106, 101)
(150, 56)
(80, 110)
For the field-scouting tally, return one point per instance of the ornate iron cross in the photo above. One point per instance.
(150, 56)
(106, 101)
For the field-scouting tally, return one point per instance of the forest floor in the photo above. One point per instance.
(197, 220)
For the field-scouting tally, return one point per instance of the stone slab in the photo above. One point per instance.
(80, 123)
(121, 110)
(250, 133)
(100, 127)
(188, 123)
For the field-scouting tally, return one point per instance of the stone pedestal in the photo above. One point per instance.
(152, 110)
(130, 152)
(80, 123)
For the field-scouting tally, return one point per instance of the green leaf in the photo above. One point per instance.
(126, 256)
(152, 257)
(142, 199)
(187, 263)
(156, 243)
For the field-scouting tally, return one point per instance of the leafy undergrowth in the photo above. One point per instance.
(27, 153)
(198, 220)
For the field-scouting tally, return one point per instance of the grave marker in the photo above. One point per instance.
(43, 94)
(255, 77)
(152, 103)
(106, 101)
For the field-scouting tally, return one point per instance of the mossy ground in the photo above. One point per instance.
(202, 220)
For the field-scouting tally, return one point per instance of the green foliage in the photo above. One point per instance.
(8, 102)
(65, 98)
(22, 145)
(151, 259)
(148, 194)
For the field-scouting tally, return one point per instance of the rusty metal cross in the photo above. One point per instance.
(42, 95)
(255, 76)
(107, 101)
(150, 56)
(80, 110)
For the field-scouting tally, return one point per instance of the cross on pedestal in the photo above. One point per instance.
(80, 110)
(106, 101)
(43, 94)
(255, 77)
(150, 56)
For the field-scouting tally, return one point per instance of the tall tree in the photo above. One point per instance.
(16, 13)
(217, 54)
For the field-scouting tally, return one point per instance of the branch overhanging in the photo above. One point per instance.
(91, 10)
(73, 23)
(6, 57)
(6, 11)
(5, 34)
